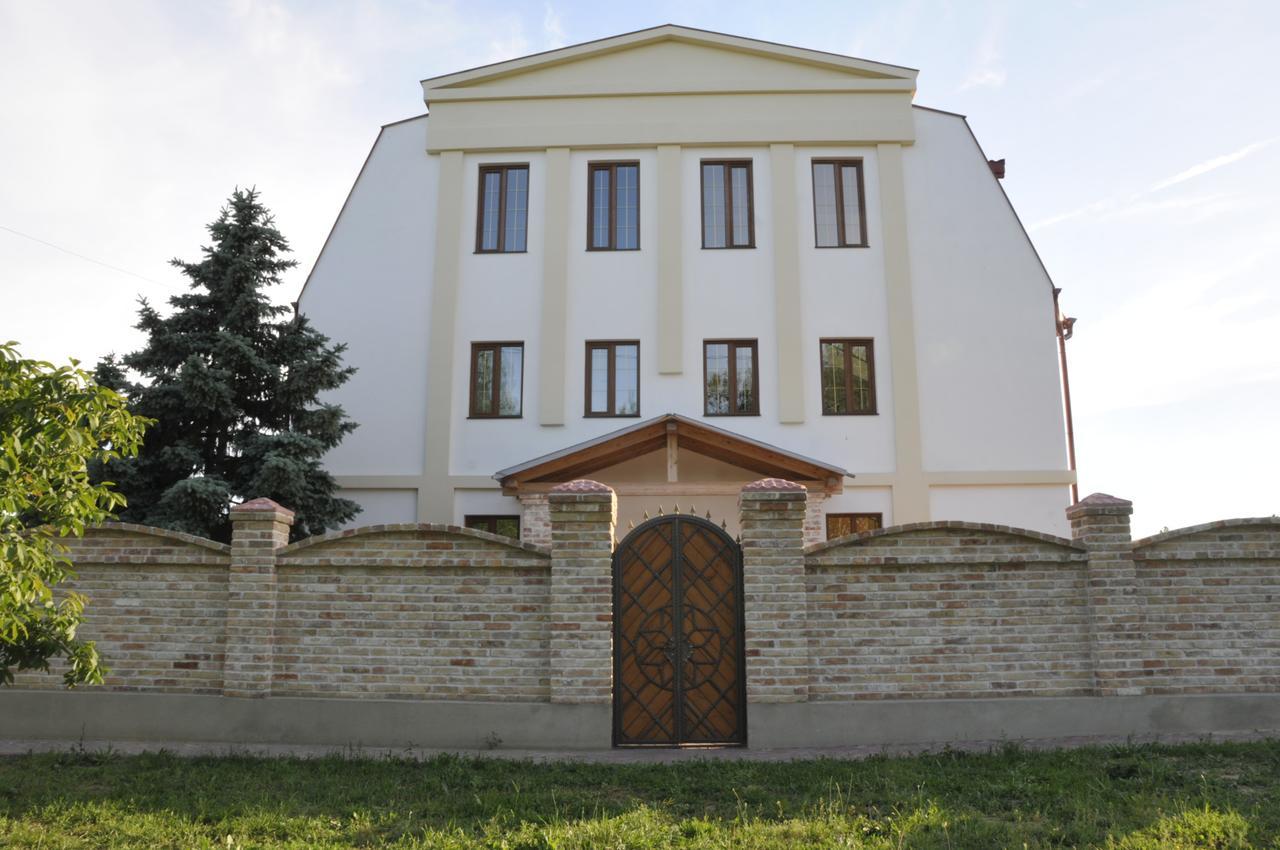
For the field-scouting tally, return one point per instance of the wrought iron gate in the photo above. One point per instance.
(678, 635)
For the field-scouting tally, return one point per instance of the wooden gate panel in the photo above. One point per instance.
(678, 654)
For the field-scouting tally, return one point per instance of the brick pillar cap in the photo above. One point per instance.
(1100, 503)
(773, 485)
(582, 485)
(263, 506)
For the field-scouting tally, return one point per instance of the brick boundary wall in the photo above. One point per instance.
(930, 610)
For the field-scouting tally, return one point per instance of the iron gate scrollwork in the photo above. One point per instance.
(678, 635)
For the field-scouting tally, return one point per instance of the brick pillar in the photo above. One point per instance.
(1101, 524)
(258, 529)
(583, 514)
(773, 517)
(535, 519)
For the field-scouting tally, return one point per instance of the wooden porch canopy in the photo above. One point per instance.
(673, 433)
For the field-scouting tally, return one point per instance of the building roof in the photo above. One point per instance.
(651, 435)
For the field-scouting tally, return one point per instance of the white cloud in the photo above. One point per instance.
(552, 28)
(1211, 165)
(988, 69)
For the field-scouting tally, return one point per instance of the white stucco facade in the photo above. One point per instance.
(969, 417)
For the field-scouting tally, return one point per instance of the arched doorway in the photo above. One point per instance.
(679, 676)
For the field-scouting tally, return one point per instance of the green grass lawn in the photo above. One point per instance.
(1201, 795)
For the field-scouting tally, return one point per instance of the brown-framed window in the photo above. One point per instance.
(613, 379)
(731, 377)
(839, 204)
(503, 524)
(848, 377)
(728, 204)
(497, 380)
(840, 525)
(502, 212)
(613, 206)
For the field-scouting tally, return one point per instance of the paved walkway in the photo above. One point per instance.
(10, 747)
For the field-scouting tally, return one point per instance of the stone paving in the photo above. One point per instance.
(647, 755)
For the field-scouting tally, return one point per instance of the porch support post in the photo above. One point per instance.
(583, 514)
(772, 516)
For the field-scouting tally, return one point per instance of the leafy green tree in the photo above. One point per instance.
(233, 383)
(54, 423)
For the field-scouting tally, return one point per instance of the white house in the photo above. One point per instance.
(676, 261)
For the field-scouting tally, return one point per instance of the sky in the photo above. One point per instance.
(1142, 140)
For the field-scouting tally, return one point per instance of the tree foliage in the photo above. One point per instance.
(233, 383)
(54, 423)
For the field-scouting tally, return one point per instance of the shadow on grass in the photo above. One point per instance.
(1131, 798)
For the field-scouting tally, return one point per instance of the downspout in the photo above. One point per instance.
(1065, 326)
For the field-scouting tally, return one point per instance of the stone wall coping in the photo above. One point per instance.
(773, 485)
(165, 533)
(1099, 503)
(262, 505)
(582, 485)
(944, 525)
(1241, 522)
(387, 528)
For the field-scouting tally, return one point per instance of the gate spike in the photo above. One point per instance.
(724, 524)
(676, 509)
(631, 525)
(693, 509)
(708, 514)
(646, 514)
(659, 510)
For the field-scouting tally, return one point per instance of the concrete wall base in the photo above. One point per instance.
(115, 716)
(846, 724)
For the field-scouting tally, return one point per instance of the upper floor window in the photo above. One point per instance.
(731, 379)
(502, 221)
(839, 206)
(613, 379)
(727, 204)
(848, 377)
(839, 525)
(613, 206)
(497, 379)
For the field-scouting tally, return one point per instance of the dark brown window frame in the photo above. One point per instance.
(854, 515)
(728, 202)
(491, 519)
(501, 168)
(855, 163)
(612, 167)
(612, 378)
(496, 348)
(848, 373)
(734, 344)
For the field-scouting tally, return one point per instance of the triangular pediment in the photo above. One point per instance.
(669, 59)
(722, 456)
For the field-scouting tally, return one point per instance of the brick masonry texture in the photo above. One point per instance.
(947, 610)
(929, 610)
(417, 612)
(157, 608)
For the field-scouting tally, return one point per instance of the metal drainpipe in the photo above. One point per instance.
(1065, 327)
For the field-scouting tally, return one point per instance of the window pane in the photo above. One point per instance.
(824, 203)
(867, 522)
(512, 374)
(838, 525)
(713, 206)
(482, 383)
(745, 370)
(517, 209)
(852, 215)
(628, 224)
(741, 207)
(717, 378)
(489, 218)
(627, 380)
(508, 526)
(599, 380)
(834, 397)
(861, 368)
(600, 208)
